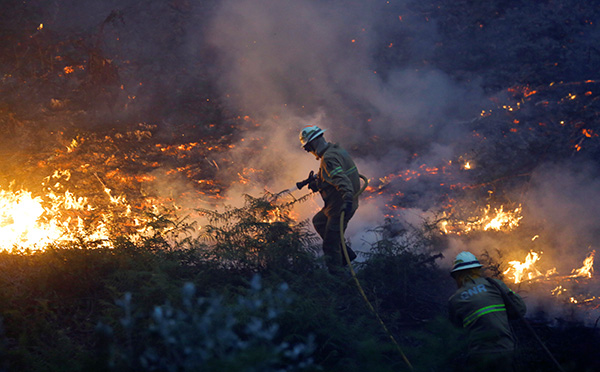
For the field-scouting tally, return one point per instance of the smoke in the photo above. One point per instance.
(362, 70)
(291, 63)
(562, 201)
(359, 69)
(292, 60)
(560, 214)
(374, 74)
(279, 54)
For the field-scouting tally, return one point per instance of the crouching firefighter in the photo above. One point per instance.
(338, 182)
(483, 307)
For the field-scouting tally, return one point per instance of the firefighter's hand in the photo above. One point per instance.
(348, 204)
(313, 185)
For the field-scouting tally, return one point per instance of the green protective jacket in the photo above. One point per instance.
(478, 306)
(338, 179)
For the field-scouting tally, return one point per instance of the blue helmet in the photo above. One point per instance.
(464, 261)
(309, 133)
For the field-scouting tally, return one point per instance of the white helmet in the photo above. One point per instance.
(309, 133)
(464, 261)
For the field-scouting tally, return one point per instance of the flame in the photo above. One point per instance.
(33, 222)
(274, 215)
(587, 269)
(508, 219)
(524, 90)
(519, 271)
(18, 216)
(27, 221)
(577, 295)
(497, 220)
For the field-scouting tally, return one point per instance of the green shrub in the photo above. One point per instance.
(259, 236)
(211, 334)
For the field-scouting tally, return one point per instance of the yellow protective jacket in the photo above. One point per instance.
(338, 179)
(479, 307)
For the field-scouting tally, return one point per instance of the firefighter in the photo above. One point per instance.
(338, 182)
(479, 306)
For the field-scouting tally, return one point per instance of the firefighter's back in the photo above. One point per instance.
(478, 307)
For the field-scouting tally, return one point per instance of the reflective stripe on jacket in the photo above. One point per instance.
(478, 306)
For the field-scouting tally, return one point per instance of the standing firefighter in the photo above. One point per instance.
(338, 182)
(481, 306)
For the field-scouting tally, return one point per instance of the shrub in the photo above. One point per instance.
(259, 236)
(209, 333)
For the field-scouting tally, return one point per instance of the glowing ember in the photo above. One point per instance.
(497, 220)
(501, 219)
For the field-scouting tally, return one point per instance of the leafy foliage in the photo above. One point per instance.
(260, 236)
(212, 333)
(401, 271)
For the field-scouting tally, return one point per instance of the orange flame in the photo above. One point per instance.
(33, 222)
(587, 269)
(497, 220)
(519, 271)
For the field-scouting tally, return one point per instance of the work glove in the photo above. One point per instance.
(347, 208)
(313, 185)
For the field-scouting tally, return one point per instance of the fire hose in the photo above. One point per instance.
(310, 178)
(509, 303)
(360, 289)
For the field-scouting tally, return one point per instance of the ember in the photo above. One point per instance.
(497, 220)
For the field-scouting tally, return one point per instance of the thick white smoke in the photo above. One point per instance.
(291, 63)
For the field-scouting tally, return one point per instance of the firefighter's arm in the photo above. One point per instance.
(517, 300)
(519, 308)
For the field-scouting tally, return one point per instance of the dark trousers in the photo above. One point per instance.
(327, 225)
